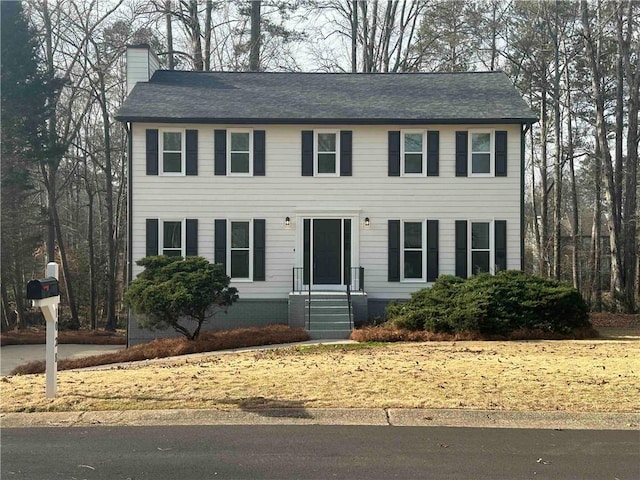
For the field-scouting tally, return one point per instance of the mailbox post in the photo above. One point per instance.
(45, 293)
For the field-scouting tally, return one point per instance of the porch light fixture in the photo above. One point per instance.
(367, 222)
(287, 222)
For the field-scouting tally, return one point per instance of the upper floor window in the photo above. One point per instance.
(240, 152)
(480, 152)
(327, 157)
(413, 153)
(172, 148)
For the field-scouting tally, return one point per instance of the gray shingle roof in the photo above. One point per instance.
(326, 98)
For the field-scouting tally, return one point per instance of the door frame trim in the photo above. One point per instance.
(335, 214)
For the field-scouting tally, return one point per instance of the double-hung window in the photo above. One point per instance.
(240, 152)
(481, 152)
(413, 250)
(327, 158)
(172, 239)
(413, 152)
(240, 253)
(172, 148)
(480, 253)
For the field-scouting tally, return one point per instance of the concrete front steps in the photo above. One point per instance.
(327, 316)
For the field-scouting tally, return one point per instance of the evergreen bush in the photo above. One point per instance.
(492, 305)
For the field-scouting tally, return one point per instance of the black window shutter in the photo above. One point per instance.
(258, 153)
(192, 152)
(345, 153)
(501, 244)
(394, 154)
(152, 236)
(501, 154)
(394, 251)
(307, 153)
(220, 154)
(192, 237)
(152, 152)
(432, 250)
(259, 249)
(462, 159)
(461, 248)
(433, 153)
(220, 239)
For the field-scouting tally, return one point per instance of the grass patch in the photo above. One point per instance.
(342, 347)
(171, 347)
(572, 375)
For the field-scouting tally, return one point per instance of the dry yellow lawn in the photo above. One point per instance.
(594, 376)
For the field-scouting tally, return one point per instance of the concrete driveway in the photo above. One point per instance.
(12, 356)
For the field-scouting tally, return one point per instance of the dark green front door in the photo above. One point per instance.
(327, 251)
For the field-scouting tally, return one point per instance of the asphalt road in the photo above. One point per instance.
(317, 452)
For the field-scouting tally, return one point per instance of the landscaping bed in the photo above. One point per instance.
(37, 335)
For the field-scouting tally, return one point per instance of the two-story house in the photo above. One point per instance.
(306, 185)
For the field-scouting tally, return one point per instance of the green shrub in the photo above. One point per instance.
(172, 292)
(492, 305)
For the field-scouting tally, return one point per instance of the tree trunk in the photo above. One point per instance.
(254, 54)
(168, 13)
(596, 235)
(111, 321)
(630, 207)
(354, 36)
(575, 214)
(7, 323)
(92, 263)
(601, 132)
(207, 35)
(534, 201)
(196, 41)
(544, 195)
(66, 273)
(557, 163)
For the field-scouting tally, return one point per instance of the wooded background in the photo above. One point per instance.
(64, 155)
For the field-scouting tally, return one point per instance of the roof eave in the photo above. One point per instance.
(328, 121)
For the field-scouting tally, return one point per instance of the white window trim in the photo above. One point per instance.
(316, 152)
(183, 152)
(424, 154)
(492, 147)
(492, 249)
(240, 174)
(229, 233)
(424, 251)
(183, 235)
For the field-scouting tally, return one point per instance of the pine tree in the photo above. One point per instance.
(24, 92)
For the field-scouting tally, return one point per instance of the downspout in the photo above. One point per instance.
(523, 134)
(129, 129)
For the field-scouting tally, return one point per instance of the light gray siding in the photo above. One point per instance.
(284, 192)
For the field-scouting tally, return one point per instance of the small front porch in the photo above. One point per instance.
(328, 312)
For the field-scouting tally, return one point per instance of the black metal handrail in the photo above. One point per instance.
(298, 286)
(349, 304)
(356, 279)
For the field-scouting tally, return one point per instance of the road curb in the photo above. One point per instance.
(319, 416)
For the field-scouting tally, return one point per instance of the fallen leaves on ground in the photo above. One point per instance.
(583, 375)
